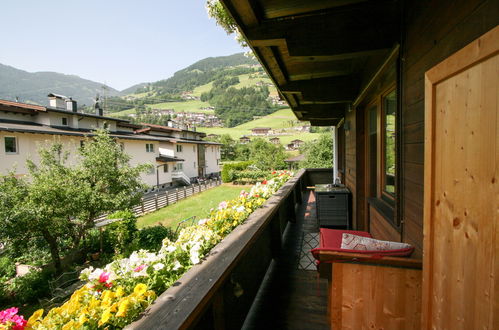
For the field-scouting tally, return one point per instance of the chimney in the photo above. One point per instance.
(71, 105)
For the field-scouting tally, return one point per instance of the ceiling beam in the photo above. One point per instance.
(324, 90)
(321, 111)
(325, 122)
(281, 8)
(340, 34)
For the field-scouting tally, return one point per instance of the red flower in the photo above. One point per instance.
(274, 172)
(104, 277)
(264, 182)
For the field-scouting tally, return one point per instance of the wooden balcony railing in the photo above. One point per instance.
(218, 293)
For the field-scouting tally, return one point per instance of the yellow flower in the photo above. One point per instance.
(35, 317)
(140, 289)
(94, 303)
(119, 292)
(105, 317)
(82, 319)
(69, 326)
(123, 308)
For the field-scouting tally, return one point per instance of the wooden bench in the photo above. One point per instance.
(370, 290)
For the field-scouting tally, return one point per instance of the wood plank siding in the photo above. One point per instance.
(433, 31)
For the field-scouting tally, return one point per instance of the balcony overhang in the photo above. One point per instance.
(168, 159)
(318, 53)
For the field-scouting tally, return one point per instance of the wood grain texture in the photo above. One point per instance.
(374, 297)
(380, 228)
(462, 191)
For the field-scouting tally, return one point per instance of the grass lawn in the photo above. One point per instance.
(198, 205)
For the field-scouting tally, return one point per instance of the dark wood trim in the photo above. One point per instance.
(335, 256)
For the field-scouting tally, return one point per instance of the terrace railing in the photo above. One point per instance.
(219, 292)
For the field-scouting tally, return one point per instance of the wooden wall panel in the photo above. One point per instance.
(380, 228)
(375, 297)
(433, 31)
(461, 219)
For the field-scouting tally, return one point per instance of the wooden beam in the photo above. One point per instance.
(280, 8)
(326, 122)
(357, 31)
(270, 56)
(321, 111)
(324, 90)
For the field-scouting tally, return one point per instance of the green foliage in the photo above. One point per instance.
(150, 238)
(318, 154)
(120, 234)
(239, 105)
(229, 169)
(58, 203)
(217, 11)
(7, 268)
(28, 288)
(249, 176)
(266, 155)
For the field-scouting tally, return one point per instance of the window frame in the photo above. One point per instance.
(64, 121)
(385, 195)
(149, 147)
(180, 148)
(165, 168)
(16, 145)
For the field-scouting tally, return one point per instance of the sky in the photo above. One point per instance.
(116, 42)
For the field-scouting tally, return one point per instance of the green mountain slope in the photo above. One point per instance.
(282, 120)
(34, 86)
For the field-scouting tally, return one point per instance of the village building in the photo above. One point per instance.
(275, 140)
(244, 139)
(261, 131)
(177, 154)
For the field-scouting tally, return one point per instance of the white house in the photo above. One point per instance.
(176, 154)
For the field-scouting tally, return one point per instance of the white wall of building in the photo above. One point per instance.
(189, 154)
(212, 156)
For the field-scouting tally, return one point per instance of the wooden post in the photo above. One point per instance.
(156, 200)
(142, 205)
(185, 192)
(166, 196)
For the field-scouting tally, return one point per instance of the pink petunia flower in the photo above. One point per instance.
(139, 268)
(104, 277)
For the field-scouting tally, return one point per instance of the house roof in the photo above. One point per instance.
(316, 51)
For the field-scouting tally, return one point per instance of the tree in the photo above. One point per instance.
(59, 202)
(228, 150)
(267, 156)
(319, 153)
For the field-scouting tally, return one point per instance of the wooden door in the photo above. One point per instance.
(461, 198)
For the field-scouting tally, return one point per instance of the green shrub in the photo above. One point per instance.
(249, 176)
(7, 268)
(30, 287)
(229, 169)
(120, 234)
(150, 238)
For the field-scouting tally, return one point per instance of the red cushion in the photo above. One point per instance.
(330, 240)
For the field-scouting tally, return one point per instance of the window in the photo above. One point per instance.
(389, 113)
(194, 148)
(381, 157)
(179, 148)
(10, 145)
(149, 147)
(82, 143)
(165, 168)
(106, 125)
(64, 121)
(179, 167)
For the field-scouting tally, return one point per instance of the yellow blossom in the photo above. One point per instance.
(123, 308)
(140, 289)
(35, 317)
(82, 319)
(105, 317)
(69, 326)
(119, 292)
